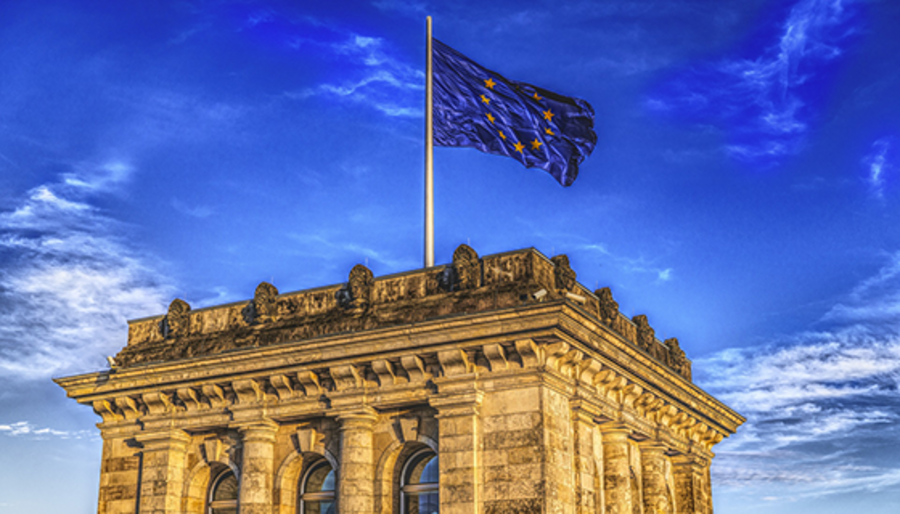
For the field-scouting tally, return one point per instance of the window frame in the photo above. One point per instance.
(317, 496)
(212, 504)
(409, 491)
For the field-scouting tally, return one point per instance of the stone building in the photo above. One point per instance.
(494, 384)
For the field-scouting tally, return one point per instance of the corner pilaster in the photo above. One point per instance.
(692, 487)
(460, 441)
(162, 471)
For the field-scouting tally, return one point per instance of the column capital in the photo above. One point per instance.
(652, 446)
(690, 459)
(360, 417)
(615, 432)
(169, 440)
(263, 431)
(464, 404)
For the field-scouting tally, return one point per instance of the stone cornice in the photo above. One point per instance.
(469, 285)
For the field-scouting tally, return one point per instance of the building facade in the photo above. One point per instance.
(495, 384)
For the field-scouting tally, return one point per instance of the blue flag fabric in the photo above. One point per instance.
(478, 108)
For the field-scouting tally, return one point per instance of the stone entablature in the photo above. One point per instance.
(533, 407)
(471, 284)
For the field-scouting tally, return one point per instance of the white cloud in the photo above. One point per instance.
(26, 429)
(69, 281)
(816, 403)
(879, 163)
(632, 264)
(382, 81)
(761, 100)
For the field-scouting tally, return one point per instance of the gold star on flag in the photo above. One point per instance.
(487, 100)
(537, 96)
(502, 134)
(549, 132)
(547, 114)
(490, 117)
(489, 83)
(519, 147)
(536, 144)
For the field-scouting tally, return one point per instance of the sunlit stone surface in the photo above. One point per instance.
(536, 394)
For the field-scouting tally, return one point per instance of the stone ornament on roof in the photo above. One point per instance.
(677, 359)
(609, 308)
(466, 267)
(356, 295)
(178, 320)
(265, 307)
(564, 274)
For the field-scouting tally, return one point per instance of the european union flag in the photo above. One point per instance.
(478, 108)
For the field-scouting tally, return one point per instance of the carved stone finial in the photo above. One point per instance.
(178, 319)
(646, 336)
(265, 306)
(356, 295)
(609, 308)
(467, 267)
(564, 274)
(677, 358)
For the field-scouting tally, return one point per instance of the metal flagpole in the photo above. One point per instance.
(429, 154)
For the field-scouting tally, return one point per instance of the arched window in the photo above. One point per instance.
(419, 484)
(223, 495)
(317, 489)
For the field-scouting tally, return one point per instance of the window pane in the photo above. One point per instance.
(226, 488)
(424, 470)
(423, 504)
(321, 479)
(319, 507)
(224, 510)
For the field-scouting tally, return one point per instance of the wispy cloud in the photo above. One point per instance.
(383, 82)
(818, 404)
(632, 264)
(880, 163)
(765, 101)
(69, 280)
(26, 429)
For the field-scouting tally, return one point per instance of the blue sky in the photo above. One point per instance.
(743, 194)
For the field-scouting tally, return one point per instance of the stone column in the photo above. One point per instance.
(616, 469)
(356, 476)
(692, 487)
(653, 466)
(162, 471)
(585, 430)
(257, 467)
(459, 429)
